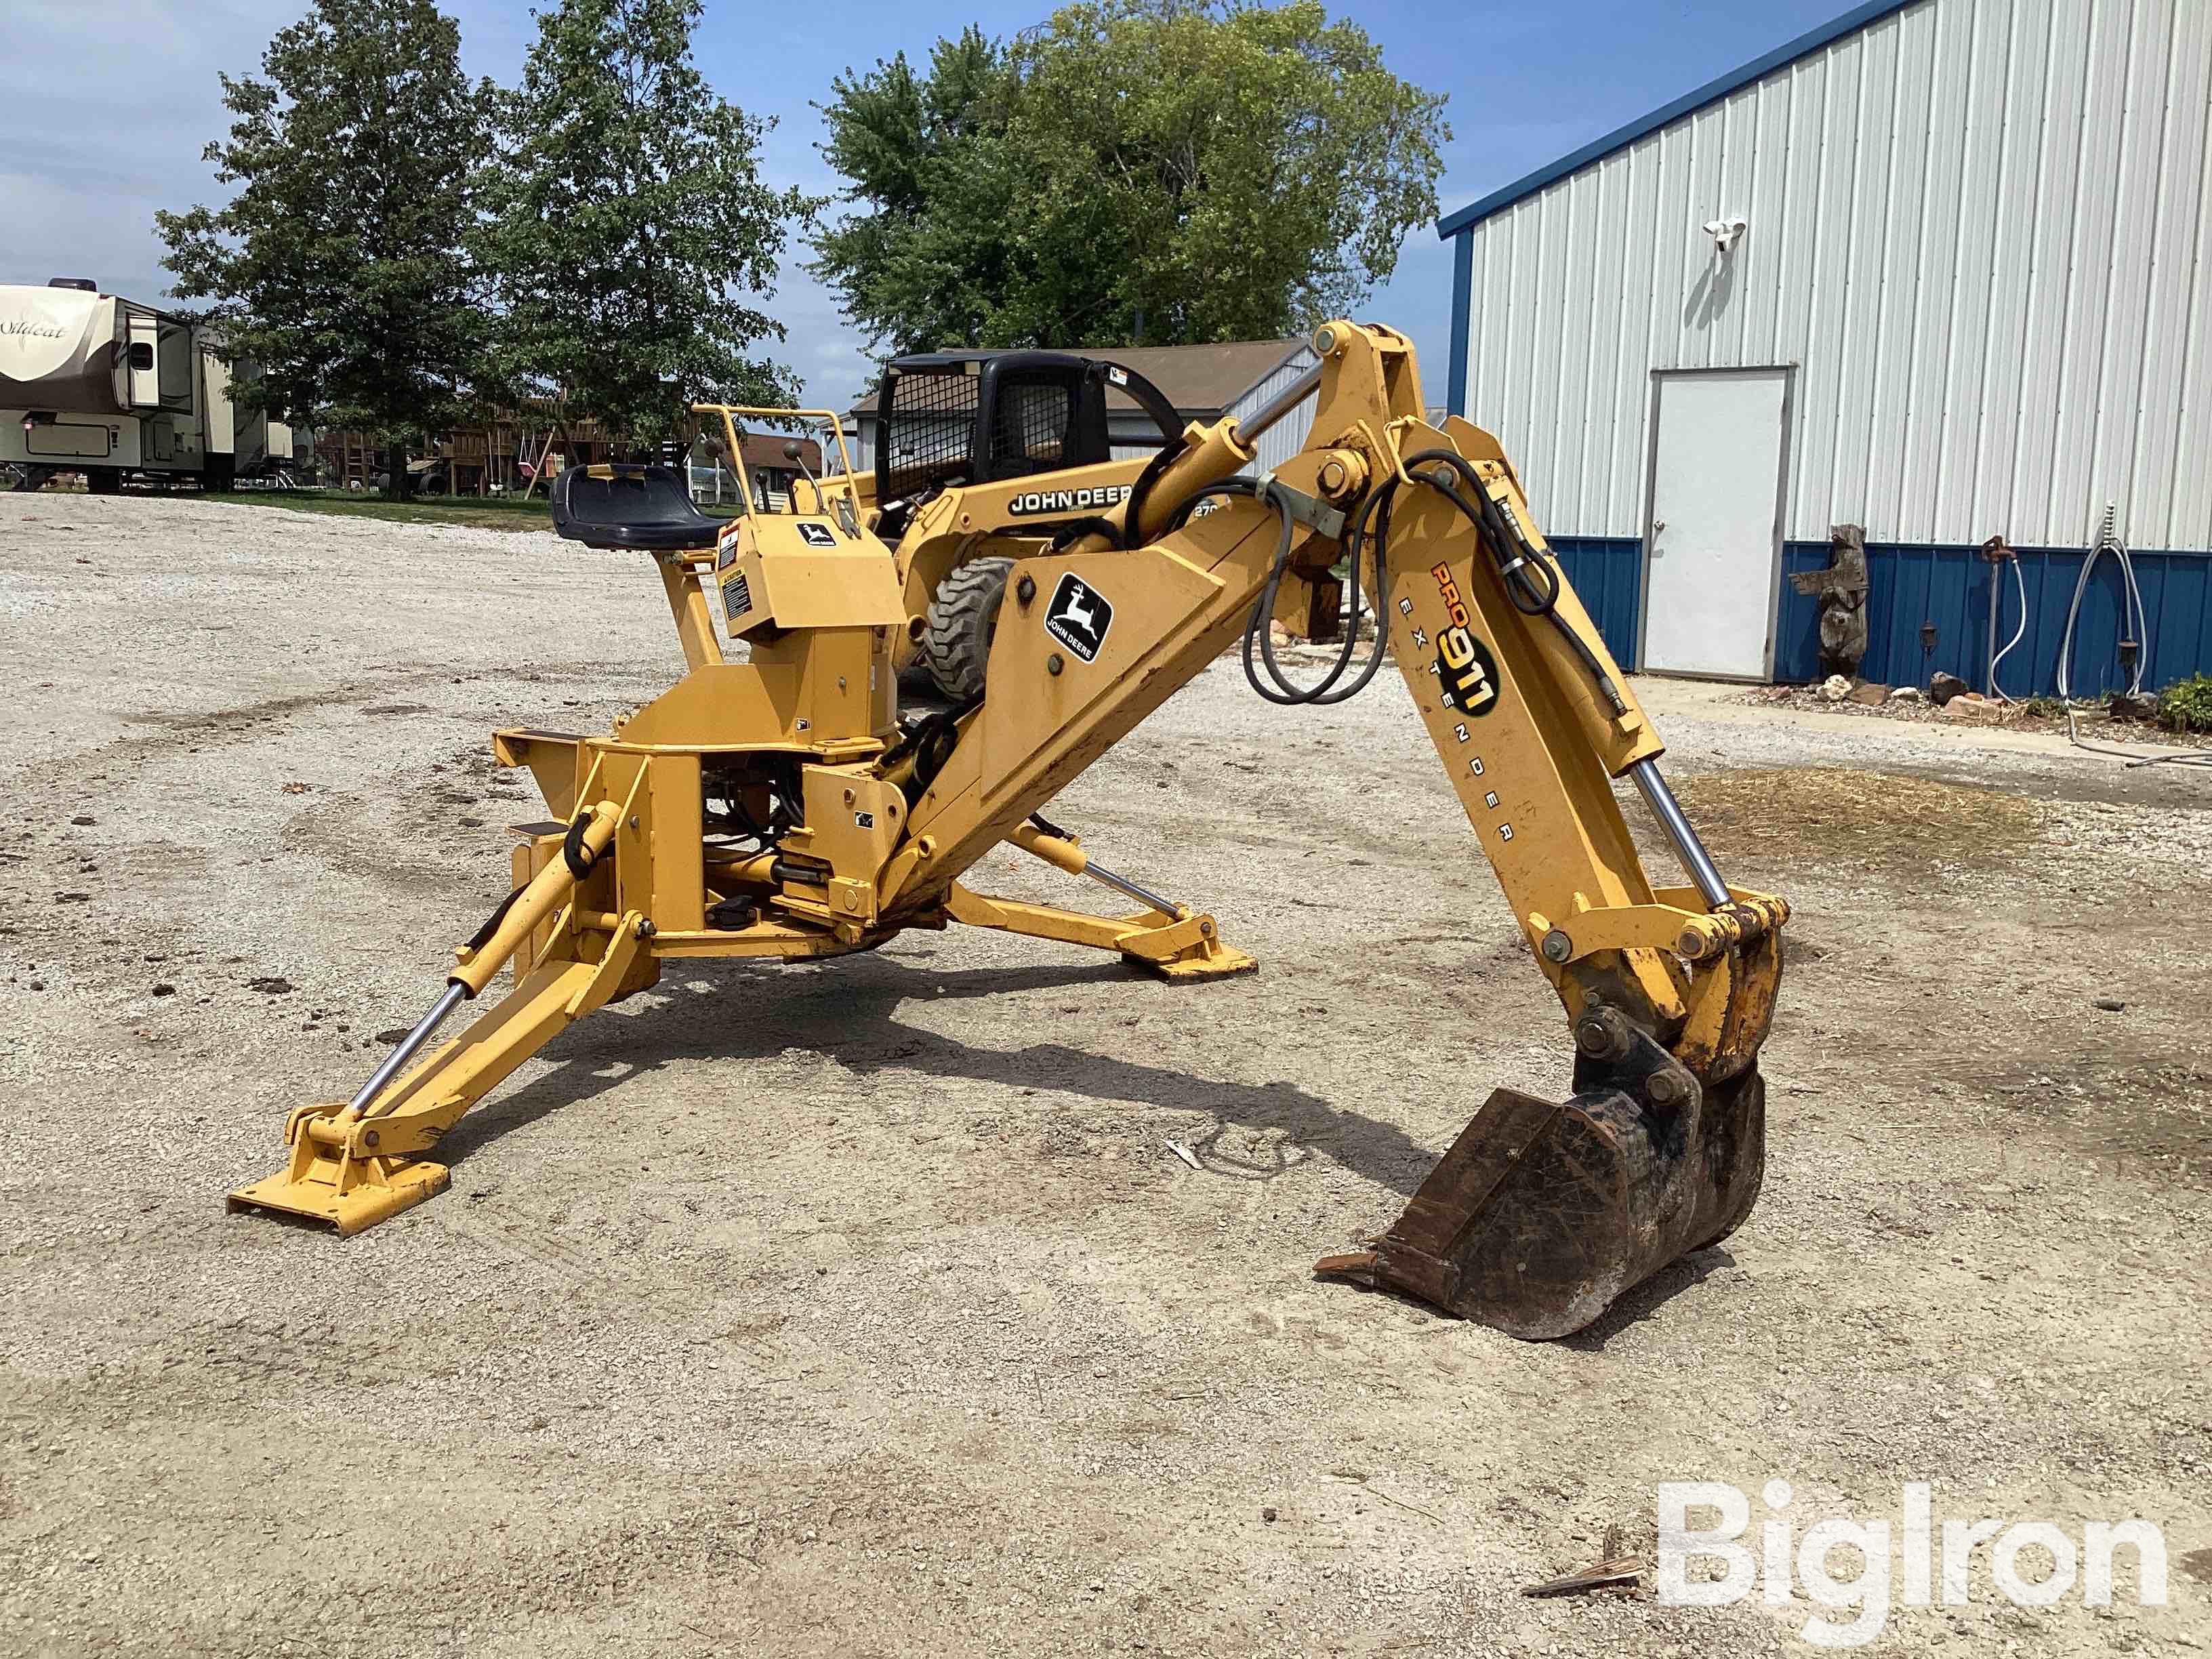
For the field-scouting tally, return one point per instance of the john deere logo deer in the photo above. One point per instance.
(1465, 668)
(815, 535)
(1065, 502)
(1079, 616)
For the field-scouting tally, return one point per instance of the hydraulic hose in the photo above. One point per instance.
(1530, 581)
(1331, 688)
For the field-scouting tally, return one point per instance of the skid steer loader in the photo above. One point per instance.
(778, 807)
(986, 458)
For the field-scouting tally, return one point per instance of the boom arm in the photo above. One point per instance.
(1668, 989)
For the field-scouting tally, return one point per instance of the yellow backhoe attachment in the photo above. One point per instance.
(779, 806)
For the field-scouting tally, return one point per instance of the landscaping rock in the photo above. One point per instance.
(1970, 706)
(1835, 688)
(1870, 693)
(1908, 693)
(1944, 687)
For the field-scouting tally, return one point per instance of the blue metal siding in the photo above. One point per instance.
(1949, 586)
(1607, 576)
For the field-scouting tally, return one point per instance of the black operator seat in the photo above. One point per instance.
(631, 507)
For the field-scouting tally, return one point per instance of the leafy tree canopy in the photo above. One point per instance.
(629, 222)
(1130, 172)
(339, 266)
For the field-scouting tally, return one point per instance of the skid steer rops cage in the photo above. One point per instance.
(952, 419)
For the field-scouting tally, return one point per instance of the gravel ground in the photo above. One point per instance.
(859, 1308)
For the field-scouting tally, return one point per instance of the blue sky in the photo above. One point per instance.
(101, 126)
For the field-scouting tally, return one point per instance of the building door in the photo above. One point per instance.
(1713, 549)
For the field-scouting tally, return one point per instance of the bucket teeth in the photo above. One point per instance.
(1541, 1214)
(331, 1185)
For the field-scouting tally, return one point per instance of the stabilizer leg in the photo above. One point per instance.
(351, 1167)
(1166, 939)
(1172, 945)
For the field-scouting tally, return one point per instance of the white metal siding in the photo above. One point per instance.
(1131, 436)
(1981, 230)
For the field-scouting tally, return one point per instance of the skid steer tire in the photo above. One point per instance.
(963, 615)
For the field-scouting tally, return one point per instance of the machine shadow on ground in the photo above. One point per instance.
(857, 1026)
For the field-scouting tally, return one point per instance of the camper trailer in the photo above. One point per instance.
(96, 383)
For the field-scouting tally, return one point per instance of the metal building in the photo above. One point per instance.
(1941, 269)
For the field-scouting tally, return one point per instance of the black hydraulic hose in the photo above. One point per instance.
(1074, 531)
(1278, 687)
(1530, 582)
(579, 858)
(1133, 509)
(931, 742)
(482, 936)
(1331, 688)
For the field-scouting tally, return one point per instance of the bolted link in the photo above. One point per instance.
(1602, 1033)
(1557, 947)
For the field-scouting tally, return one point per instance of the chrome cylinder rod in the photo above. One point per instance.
(1280, 405)
(409, 1046)
(1696, 861)
(1123, 884)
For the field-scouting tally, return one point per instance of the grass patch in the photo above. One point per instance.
(489, 513)
(1879, 820)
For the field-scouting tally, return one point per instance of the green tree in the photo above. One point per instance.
(629, 220)
(931, 261)
(338, 267)
(1130, 171)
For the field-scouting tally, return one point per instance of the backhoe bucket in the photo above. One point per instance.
(1541, 1214)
